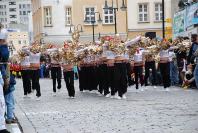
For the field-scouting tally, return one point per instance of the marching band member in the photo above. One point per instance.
(111, 72)
(35, 56)
(56, 72)
(138, 67)
(150, 64)
(68, 72)
(25, 72)
(165, 65)
(103, 81)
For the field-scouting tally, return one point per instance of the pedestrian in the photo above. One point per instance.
(35, 56)
(25, 71)
(4, 82)
(9, 100)
(55, 66)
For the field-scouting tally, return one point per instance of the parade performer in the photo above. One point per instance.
(55, 67)
(35, 56)
(25, 72)
(111, 72)
(150, 64)
(103, 80)
(164, 64)
(4, 75)
(68, 72)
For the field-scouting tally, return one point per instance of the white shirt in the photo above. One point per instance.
(26, 61)
(164, 53)
(171, 55)
(110, 55)
(35, 58)
(138, 56)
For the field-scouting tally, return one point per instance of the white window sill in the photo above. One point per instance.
(108, 24)
(140, 22)
(157, 21)
(90, 24)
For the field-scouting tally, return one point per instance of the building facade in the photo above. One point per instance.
(84, 9)
(145, 17)
(17, 40)
(14, 12)
(54, 19)
(49, 20)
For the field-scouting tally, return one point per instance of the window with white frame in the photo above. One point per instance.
(68, 16)
(108, 16)
(48, 16)
(143, 12)
(89, 14)
(158, 12)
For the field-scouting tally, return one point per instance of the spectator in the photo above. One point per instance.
(189, 79)
(9, 100)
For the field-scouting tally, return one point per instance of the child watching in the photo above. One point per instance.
(189, 79)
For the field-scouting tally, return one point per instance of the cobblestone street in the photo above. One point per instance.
(151, 111)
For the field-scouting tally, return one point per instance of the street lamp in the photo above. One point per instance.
(115, 9)
(75, 28)
(93, 22)
(163, 20)
(42, 39)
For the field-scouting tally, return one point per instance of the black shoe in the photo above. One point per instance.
(4, 131)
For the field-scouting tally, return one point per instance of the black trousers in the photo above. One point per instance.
(26, 81)
(91, 78)
(129, 72)
(69, 81)
(80, 77)
(150, 65)
(138, 70)
(103, 79)
(111, 79)
(35, 81)
(120, 78)
(56, 75)
(165, 72)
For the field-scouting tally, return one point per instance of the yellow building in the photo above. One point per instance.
(18, 39)
(84, 9)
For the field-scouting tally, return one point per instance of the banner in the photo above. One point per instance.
(179, 23)
(192, 15)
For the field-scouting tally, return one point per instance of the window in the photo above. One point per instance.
(24, 42)
(19, 6)
(12, 9)
(48, 16)
(68, 16)
(12, 3)
(24, 6)
(12, 16)
(19, 41)
(143, 12)
(20, 13)
(108, 17)
(89, 14)
(158, 12)
(24, 13)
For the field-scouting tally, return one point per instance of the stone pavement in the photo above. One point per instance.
(151, 111)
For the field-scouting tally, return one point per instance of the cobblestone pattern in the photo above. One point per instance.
(151, 111)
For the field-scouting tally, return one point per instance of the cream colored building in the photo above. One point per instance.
(146, 16)
(86, 8)
(51, 20)
(18, 39)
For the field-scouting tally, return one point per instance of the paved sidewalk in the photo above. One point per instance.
(151, 111)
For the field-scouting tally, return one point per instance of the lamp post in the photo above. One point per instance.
(93, 23)
(42, 39)
(163, 20)
(115, 9)
(75, 28)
